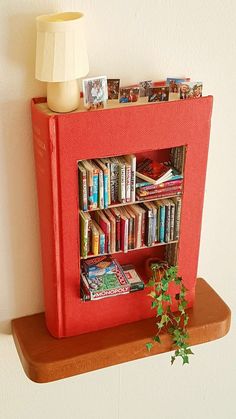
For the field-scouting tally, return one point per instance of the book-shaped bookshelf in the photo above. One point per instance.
(61, 143)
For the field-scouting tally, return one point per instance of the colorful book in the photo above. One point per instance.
(101, 249)
(83, 196)
(112, 221)
(136, 283)
(167, 220)
(116, 214)
(84, 228)
(162, 215)
(153, 172)
(106, 179)
(89, 171)
(95, 172)
(110, 284)
(94, 239)
(105, 224)
(107, 164)
(131, 159)
(178, 204)
(124, 229)
(98, 266)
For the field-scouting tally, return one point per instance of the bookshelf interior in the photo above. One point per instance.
(136, 255)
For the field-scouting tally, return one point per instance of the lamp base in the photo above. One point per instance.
(63, 96)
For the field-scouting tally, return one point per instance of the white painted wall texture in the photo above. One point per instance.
(132, 40)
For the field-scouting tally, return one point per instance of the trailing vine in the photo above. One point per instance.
(175, 323)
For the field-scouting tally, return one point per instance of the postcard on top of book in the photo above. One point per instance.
(113, 86)
(158, 94)
(129, 94)
(153, 172)
(190, 90)
(95, 90)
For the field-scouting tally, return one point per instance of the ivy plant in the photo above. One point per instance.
(175, 323)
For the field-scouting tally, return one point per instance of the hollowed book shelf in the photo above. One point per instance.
(60, 141)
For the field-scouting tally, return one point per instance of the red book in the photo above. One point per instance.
(153, 172)
(162, 185)
(60, 141)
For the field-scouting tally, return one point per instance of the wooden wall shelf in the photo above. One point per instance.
(46, 359)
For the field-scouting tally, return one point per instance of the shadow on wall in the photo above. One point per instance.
(22, 292)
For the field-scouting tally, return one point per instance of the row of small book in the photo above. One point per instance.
(106, 181)
(104, 277)
(129, 227)
(110, 181)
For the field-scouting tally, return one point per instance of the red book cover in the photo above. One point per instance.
(152, 171)
(118, 131)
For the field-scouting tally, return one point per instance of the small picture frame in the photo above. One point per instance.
(158, 94)
(144, 87)
(190, 90)
(95, 91)
(113, 86)
(129, 94)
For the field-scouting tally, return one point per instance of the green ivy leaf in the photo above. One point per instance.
(149, 346)
(154, 304)
(160, 310)
(152, 294)
(166, 297)
(157, 339)
(185, 359)
(172, 360)
(189, 351)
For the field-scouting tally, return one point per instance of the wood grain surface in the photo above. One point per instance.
(45, 358)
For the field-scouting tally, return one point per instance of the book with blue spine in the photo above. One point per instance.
(95, 184)
(162, 222)
(105, 171)
(101, 240)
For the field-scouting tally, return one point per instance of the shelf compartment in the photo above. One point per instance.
(47, 359)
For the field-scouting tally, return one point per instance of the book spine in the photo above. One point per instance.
(83, 236)
(177, 218)
(162, 186)
(161, 191)
(172, 221)
(101, 189)
(162, 223)
(154, 226)
(113, 181)
(83, 198)
(124, 234)
(143, 222)
(95, 242)
(138, 231)
(106, 192)
(128, 183)
(95, 189)
(122, 183)
(167, 224)
(101, 243)
(149, 227)
(157, 224)
(90, 189)
(133, 178)
(159, 195)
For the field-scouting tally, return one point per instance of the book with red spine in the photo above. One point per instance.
(154, 172)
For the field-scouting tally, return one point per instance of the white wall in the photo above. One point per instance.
(132, 40)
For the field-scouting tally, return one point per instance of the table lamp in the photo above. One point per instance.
(61, 58)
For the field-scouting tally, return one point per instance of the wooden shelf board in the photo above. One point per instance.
(132, 250)
(45, 358)
(122, 204)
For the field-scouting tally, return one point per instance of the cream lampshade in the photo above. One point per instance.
(61, 58)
